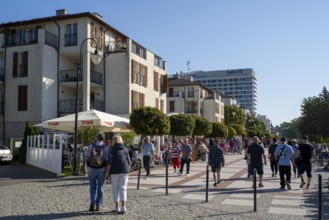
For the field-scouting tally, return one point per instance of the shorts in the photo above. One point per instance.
(259, 168)
(302, 167)
(216, 167)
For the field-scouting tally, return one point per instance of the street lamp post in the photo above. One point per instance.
(96, 58)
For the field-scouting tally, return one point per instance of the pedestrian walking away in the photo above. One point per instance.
(175, 153)
(97, 160)
(255, 157)
(186, 155)
(294, 147)
(285, 156)
(271, 157)
(217, 161)
(304, 161)
(119, 168)
(148, 154)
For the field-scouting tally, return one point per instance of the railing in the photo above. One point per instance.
(67, 106)
(21, 38)
(51, 39)
(96, 77)
(173, 94)
(116, 46)
(190, 94)
(191, 110)
(70, 40)
(69, 75)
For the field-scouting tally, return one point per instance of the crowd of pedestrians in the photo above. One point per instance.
(112, 163)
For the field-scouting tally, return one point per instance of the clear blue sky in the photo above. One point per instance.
(285, 42)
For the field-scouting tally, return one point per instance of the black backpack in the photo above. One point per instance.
(96, 158)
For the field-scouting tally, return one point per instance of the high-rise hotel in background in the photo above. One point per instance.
(238, 83)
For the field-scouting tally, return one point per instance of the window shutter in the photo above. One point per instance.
(165, 84)
(145, 77)
(92, 33)
(132, 100)
(15, 64)
(172, 106)
(132, 71)
(25, 62)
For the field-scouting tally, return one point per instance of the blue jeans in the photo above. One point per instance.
(146, 163)
(96, 184)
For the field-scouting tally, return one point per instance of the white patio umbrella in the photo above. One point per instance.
(106, 122)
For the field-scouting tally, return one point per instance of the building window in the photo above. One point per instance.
(163, 84)
(138, 50)
(172, 106)
(143, 75)
(138, 73)
(20, 64)
(159, 62)
(22, 98)
(71, 35)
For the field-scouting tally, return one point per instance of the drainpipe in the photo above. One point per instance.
(57, 49)
(4, 99)
(104, 68)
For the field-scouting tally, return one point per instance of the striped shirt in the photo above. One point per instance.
(175, 151)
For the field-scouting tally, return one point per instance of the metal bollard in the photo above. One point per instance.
(139, 173)
(207, 183)
(320, 197)
(166, 176)
(255, 191)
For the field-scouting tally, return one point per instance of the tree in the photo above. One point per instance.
(254, 126)
(128, 138)
(202, 126)
(88, 134)
(182, 125)
(231, 132)
(314, 120)
(29, 130)
(234, 115)
(149, 121)
(219, 130)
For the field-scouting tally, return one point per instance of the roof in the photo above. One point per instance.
(63, 17)
(183, 82)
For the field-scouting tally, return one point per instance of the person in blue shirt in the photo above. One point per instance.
(148, 154)
(284, 154)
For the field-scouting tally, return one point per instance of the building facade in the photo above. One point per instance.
(239, 83)
(266, 121)
(189, 97)
(44, 60)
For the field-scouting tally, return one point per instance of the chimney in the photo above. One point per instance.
(61, 12)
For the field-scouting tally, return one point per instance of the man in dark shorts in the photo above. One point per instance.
(254, 156)
(216, 156)
(304, 161)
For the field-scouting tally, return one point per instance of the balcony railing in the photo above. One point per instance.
(190, 110)
(70, 75)
(1, 107)
(51, 39)
(22, 37)
(70, 40)
(173, 94)
(67, 106)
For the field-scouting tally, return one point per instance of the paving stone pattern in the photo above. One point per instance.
(68, 198)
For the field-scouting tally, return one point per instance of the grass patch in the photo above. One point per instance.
(67, 171)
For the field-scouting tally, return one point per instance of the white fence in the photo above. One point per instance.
(45, 151)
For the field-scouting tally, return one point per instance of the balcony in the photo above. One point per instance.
(70, 75)
(51, 39)
(1, 107)
(21, 37)
(190, 110)
(173, 94)
(67, 106)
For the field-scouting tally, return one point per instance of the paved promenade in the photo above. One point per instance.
(67, 198)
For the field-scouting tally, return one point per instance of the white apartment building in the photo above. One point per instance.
(39, 70)
(239, 83)
(189, 97)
